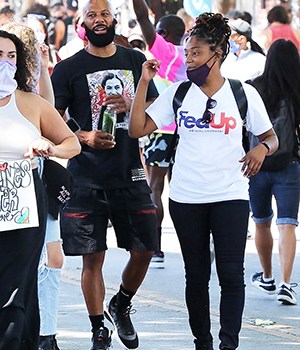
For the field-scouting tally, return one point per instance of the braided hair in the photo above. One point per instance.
(213, 29)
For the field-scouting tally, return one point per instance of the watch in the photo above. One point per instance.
(266, 145)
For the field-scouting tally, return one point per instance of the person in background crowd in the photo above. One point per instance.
(58, 33)
(3, 3)
(6, 15)
(246, 16)
(280, 28)
(33, 128)
(286, 5)
(279, 86)
(76, 44)
(110, 181)
(137, 41)
(188, 20)
(233, 15)
(37, 22)
(38, 8)
(246, 59)
(209, 184)
(164, 43)
(72, 9)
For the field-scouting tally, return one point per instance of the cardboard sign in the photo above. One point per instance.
(18, 208)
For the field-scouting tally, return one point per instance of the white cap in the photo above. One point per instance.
(135, 36)
(241, 27)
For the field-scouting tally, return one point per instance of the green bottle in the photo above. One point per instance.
(109, 122)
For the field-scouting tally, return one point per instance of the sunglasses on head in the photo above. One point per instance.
(207, 115)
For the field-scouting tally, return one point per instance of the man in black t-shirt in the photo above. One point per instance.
(109, 177)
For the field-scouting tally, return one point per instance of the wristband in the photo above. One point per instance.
(266, 145)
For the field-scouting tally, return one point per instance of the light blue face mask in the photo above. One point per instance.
(7, 82)
(234, 47)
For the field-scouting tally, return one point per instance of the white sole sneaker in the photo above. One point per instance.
(286, 295)
(267, 287)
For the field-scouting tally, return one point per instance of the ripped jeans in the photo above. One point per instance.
(49, 282)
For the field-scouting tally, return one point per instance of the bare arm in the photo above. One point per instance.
(254, 158)
(62, 142)
(266, 38)
(60, 30)
(140, 124)
(271, 139)
(142, 14)
(45, 85)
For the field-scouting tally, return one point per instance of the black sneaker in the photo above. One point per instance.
(286, 295)
(101, 339)
(53, 342)
(44, 342)
(258, 281)
(206, 346)
(122, 321)
(157, 260)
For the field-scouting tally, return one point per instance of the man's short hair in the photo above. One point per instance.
(85, 4)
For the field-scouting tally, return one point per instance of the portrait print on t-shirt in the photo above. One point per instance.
(109, 82)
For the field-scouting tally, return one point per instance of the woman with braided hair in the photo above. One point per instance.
(209, 185)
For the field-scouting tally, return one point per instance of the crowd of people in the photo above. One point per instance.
(72, 88)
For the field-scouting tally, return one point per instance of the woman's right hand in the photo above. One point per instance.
(150, 68)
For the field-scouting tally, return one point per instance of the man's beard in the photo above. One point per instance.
(101, 40)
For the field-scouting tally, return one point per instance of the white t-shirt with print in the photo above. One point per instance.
(207, 167)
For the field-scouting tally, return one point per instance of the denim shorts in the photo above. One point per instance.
(285, 186)
(84, 220)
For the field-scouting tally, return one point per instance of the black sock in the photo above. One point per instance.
(124, 297)
(97, 321)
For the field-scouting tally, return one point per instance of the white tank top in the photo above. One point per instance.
(17, 132)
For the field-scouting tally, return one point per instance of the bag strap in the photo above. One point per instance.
(177, 102)
(240, 97)
(180, 95)
(242, 103)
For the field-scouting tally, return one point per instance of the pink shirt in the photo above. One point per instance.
(172, 59)
(283, 31)
(172, 66)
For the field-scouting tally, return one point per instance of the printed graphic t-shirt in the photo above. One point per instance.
(207, 167)
(79, 84)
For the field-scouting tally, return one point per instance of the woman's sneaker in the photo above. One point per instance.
(257, 280)
(286, 295)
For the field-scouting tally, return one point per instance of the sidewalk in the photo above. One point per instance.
(161, 317)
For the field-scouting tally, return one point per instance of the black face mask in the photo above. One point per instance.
(100, 40)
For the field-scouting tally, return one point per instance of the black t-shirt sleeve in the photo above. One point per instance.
(140, 59)
(152, 91)
(60, 86)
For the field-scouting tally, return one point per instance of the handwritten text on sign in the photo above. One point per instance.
(18, 207)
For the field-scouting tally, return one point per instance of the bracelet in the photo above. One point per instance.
(266, 145)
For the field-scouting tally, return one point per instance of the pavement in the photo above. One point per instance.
(161, 318)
